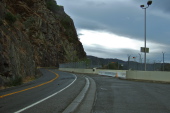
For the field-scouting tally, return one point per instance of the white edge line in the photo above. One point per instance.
(74, 105)
(46, 97)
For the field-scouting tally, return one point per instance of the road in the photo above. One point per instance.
(56, 90)
(42, 95)
(122, 96)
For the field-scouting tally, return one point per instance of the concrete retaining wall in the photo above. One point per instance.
(142, 75)
(120, 73)
(149, 75)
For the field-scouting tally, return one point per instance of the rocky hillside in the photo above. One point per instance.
(35, 33)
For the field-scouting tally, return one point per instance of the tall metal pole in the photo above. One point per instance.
(128, 61)
(140, 61)
(163, 60)
(145, 38)
(143, 7)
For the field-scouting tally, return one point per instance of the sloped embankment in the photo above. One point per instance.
(35, 33)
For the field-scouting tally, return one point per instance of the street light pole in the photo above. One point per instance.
(145, 38)
(140, 61)
(128, 61)
(143, 7)
(163, 60)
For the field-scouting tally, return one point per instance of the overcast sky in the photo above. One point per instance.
(115, 28)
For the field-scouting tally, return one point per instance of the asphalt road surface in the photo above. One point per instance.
(51, 93)
(122, 96)
(55, 90)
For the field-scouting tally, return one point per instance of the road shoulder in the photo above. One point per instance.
(83, 103)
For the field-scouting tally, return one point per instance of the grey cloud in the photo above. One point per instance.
(100, 51)
(158, 4)
(103, 52)
(125, 19)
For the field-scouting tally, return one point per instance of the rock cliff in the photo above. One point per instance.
(35, 33)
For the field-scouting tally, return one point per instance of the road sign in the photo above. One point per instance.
(143, 49)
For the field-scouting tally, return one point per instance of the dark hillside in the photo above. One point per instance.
(35, 33)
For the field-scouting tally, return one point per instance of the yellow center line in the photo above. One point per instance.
(2, 96)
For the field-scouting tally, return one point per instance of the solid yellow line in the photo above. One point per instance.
(33, 86)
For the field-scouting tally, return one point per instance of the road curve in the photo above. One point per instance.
(50, 92)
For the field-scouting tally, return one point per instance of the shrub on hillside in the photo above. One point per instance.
(29, 22)
(14, 82)
(10, 18)
(52, 5)
(1, 23)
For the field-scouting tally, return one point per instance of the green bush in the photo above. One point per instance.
(1, 23)
(18, 16)
(52, 5)
(10, 18)
(17, 81)
(28, 23)
(14, 82)
(66, 22)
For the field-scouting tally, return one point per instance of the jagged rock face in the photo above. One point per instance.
(35, 33)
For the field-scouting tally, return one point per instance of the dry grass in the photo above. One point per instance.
(2, 87)
(28, 79)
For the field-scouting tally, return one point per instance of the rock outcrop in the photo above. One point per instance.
(35, 33)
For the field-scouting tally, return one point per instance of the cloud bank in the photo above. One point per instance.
(120, 18)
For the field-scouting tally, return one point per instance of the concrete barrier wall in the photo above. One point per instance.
(120, 73)
(142, 75)
(149, 75)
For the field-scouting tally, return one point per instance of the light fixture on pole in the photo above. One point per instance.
(145, 50)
